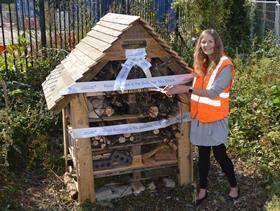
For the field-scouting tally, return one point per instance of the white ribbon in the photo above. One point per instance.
(134, 57)
(127, 128)
(140, 83)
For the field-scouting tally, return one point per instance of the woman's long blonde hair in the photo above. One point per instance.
(201, 60)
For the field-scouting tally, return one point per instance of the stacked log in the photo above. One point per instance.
(148, 104)
(145, 104)
(167, 135)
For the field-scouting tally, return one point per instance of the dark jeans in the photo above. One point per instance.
(220, 155)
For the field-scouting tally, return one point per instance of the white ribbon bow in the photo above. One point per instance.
(134, 57)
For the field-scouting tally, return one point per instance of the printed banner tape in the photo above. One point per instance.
(127, 128)
(140, 83)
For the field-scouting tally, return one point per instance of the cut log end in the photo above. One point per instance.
(109, 111)
(122, 139)
(153, 111)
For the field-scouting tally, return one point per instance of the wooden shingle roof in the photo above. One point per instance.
(90, 51)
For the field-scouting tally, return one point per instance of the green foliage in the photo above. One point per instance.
(13, 61)
(236, 31)
(9, 190)
(275, 102)
(28, 134)
(254, 122)
(184, 48)
(202, 14)
(25, 138)
(17, 59)
(255, 112)
(29, 137)
(142, 8)
(86, 206)
(274, 204)
(230, 18)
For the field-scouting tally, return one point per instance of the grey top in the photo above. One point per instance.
(214, 133)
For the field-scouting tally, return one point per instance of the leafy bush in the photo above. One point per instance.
(255, 113)
(28, 135)
(230, 18)
(274, 204)
(28, 131)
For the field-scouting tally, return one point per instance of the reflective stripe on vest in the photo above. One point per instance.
(209, 101)
(213, 75)
(194, 80)
(206, 100)
(224, 95)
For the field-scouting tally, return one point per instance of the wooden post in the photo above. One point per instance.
(137, 160)
(65, 138)
(185, 162)
(136, 150)
(79, 118)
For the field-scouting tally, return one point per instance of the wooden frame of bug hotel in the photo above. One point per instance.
(115, 118)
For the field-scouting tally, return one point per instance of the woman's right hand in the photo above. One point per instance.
(170, 90)
(175, 89)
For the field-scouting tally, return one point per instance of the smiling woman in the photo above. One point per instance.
(209, 108)
(208, 51)
(207, 44)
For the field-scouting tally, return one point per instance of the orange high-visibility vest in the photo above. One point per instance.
(207, 109)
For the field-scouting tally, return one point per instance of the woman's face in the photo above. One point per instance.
(207, 44)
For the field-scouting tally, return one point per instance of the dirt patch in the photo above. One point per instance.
(50, 194)
(45, 194)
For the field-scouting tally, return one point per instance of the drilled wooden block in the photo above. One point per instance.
(121, 157)
(102, 164)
